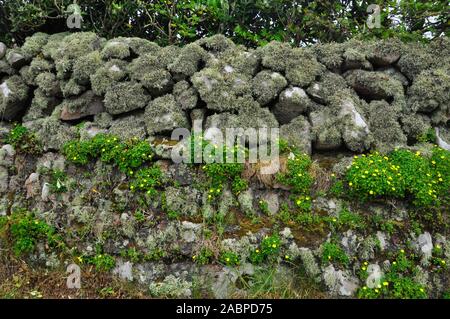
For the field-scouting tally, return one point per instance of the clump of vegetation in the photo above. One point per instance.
(331, 252)
(204, 256)
(103, 262)
(400, 174)
(24, 231)
(269, 249)
(23, 140)
(398, 282)
(229, 258)
(58, 181)
(128, 156)
(297, 177)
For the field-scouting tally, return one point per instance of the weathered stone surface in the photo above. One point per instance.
(85, 105)
(340, 282)
(2, 50)
(164, 114)
(298, 134)
(13, 97)
(292, 102)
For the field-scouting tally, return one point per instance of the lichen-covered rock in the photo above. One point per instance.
(298, 134)
(415, 60)
(3, 48)
(107, 75)
(321, 91)
(385, 53)
(189, 59)
(267, 85)
(303, 68)
(41, 106)
(72, 47)
(220, 90)
(292, 102)
(395, 74)
(116, 49)
(340, 282)
(355, 131)
(374, 85)
(430, 91)
(415, 125)
(48, 84)
(330, 55)
(326, 133)
(164, 114)
(85, 66)
(385, 127)
(124, 97)
(148, 70)
(78, 107)
(37, 66)
(185, 95)
(355, 59)
(70, 88)
(15, 58)
(310, 263)
(13, 97)
(33, 45)
(443, 137)
(185, 201)
(216, 44)
(128, 127)
(5, 68)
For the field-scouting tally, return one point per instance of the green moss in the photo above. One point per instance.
(333, 253)
(25, 232)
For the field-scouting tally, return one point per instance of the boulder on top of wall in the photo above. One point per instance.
(298, 134)
(13, 97)
(329, 83)
(220, 90)
(124, 97)
(116, 48)
(374, 85)
(292, 102)
(355, 59)
(303, 68)
(164, 114)
(430, 91)
(416, 59)
(385, 52)
(330, 55)
(81, 106)
(216, 44)
(266, 86)
(189, 60)
(33, 45)
(237, 60)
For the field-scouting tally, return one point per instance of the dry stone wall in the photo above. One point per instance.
(355, 95)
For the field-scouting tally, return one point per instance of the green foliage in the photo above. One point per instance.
(333, 253)
(247, 22)
(269, 249)
(348, 220)
(264, 206)
(428, 136)
(58, 181)
(103, 262)
(229, 258)
(398, 282)
(23, 140)
(147, 180)
(25, 231)
(402, 173)
(204, 256)
(132, 254)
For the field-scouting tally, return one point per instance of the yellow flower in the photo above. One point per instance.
(257, 251)
(228, 259)
(443, 262)
(363, 268)
(371, 192)
(350, 184)
(385, 283)
(402, 251)
(274, 246)
(286, 257)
